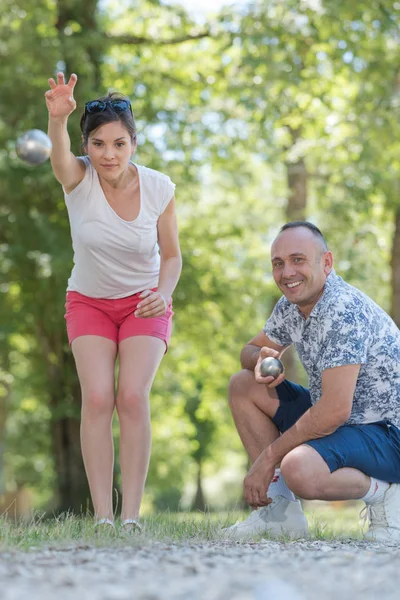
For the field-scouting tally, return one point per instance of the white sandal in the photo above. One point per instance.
(106, 522)
(131, 525)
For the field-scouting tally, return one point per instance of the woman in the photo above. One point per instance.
(127, 263)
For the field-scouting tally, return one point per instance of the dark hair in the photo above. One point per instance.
(313, 228)
(91, 121)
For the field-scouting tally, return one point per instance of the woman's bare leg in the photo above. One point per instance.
(95, 363)
(140, 357)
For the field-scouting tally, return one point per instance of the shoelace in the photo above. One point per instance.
(374, 517)
(261, 513)
(365, 514)
(265, 511)
(254, 516)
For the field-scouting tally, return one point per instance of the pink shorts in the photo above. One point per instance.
(113, 319)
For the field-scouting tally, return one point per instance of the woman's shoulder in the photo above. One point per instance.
(86, 183)
(157, 187)
(152, 174)
(86, 161)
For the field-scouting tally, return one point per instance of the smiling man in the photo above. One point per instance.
(340, 438)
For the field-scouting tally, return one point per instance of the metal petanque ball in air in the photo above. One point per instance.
(33, 147)
(271, 367)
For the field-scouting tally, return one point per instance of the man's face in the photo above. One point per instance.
(300, 266)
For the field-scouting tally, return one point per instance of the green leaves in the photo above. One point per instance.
(229, 110)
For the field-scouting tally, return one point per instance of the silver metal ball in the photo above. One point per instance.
(271, 367)
(33, 147)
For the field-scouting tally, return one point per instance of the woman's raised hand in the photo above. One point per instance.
(60, 98)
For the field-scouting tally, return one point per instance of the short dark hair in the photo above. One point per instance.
(91, 121)
(313, 228)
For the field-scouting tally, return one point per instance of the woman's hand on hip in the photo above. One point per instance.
(153, 305)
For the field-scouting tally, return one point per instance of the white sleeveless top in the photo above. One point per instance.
(114, 258)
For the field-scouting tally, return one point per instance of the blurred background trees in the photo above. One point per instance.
(262, 112)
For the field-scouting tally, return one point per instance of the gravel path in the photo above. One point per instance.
(312, 570)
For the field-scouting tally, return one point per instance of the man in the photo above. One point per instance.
(340, 439)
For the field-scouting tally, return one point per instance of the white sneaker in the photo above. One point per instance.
(281, 517)
(384, 517)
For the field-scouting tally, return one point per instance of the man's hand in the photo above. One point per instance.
(269, 381)
(257, 480)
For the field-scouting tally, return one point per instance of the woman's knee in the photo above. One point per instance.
(96, 403)
(132, 403)
(304, 471)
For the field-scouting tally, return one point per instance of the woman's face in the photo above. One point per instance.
(110, 148)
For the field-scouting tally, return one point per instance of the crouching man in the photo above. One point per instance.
(339, 439)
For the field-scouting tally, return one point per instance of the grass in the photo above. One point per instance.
(326, 520)
(331, 520)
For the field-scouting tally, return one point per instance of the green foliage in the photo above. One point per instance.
(224, 108)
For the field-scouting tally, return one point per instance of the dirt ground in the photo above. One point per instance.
(312, 570)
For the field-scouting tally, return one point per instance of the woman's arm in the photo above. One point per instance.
(68, 170)
(155, 303)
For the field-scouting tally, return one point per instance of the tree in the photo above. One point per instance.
(34, 230)
(272, 113)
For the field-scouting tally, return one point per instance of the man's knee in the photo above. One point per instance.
(239, 385)
(304, 471)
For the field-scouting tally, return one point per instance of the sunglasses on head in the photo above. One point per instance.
(118, 105)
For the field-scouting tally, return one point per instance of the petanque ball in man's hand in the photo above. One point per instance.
(271, 367)
(33, 147)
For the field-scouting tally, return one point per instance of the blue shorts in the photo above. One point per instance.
(373, 449)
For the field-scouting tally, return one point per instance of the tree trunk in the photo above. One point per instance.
(65, 394)
(5, 394)
(297, 182)
(72, 487)
(295, 211)
(199, 501)
(395, 264)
